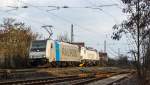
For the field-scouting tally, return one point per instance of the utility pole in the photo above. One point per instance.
(118, 52)
(72, 34)
(105, 46)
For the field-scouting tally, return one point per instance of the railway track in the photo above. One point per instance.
(37, 80)
(68, 80)
(53, 81)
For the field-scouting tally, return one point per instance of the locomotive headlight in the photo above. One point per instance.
(43, 55)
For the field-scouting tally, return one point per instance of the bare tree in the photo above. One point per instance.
(15, 40)
(63, 37)
(137, 26)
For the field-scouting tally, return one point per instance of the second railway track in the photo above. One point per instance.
(68, 80)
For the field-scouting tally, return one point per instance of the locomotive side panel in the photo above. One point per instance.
(89, 54)
(69, 52)
(57, 51)
(90, 57)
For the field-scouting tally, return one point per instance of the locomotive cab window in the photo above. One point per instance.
(51, 45)
(38, 46)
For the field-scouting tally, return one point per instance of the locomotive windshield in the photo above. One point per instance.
(38, 46)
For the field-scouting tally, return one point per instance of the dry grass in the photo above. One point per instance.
(60, 72)
(82, 71)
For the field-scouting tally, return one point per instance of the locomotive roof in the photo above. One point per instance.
(90, 48)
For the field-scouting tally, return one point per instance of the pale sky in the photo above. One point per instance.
(91, 26)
